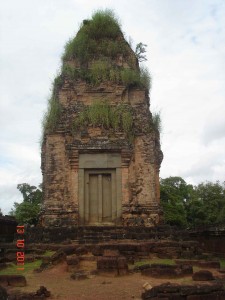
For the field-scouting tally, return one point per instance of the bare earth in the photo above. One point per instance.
(57, 280)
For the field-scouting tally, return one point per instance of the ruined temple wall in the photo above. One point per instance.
(60, 183)
(140, 162)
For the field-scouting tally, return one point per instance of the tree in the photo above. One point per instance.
(139, 52)
(175, 193)
(187, 205)
(1, 212)
(27, 212)
(208, 204)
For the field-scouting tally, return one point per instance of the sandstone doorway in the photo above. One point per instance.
(100, 196)
(100, 189)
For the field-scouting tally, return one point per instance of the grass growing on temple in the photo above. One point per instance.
(97, 36)
(101, 114)
(97, 45)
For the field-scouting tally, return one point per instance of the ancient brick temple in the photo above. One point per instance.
(101, 158)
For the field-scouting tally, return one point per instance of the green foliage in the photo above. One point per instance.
(185, 205)
(99, 71)
(28, 268)
(49, 253)
(30, 193)
(222, 263)
(52, 115)
(103, 27)
(139, 52)
(207, 205)
(58, 82)
(27, 211)
(102, 70)
(145, 78)
(104, 23)
(101, 114)
(130, 77)
(175, 192)
(156, 121)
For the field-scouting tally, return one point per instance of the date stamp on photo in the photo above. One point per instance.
(20, 243)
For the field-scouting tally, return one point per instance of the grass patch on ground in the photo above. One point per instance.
(49, 253)
(28, 268)
(222, 263)
(155, 261)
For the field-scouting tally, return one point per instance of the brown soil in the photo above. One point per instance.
(99, 287)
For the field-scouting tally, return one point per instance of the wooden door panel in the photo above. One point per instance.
(106, 197)
(93, 198)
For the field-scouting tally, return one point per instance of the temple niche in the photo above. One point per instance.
(101, 149)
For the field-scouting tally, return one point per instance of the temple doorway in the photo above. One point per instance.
(100, 196)
(100, 190)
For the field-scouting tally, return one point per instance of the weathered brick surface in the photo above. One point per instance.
(141, 158)
(167, 271)
(115, 264)
(185, 292)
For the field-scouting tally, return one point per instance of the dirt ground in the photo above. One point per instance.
(57, 280)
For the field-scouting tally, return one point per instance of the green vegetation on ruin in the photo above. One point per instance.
(52, 115)
(100, 36)
(156, 121)
(101, 114)
(97, 44)
(102, 71)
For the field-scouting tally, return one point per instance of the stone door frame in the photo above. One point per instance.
(100, 163)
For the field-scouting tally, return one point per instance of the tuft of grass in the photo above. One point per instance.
(156, 121)
(102, 70)
(49, 253)
(52, 115)
(104, 23)
(130, 77)
(155, 261)
(99, 71)
(101, 114)
(28, 267)
(145, 78)
(104, 26)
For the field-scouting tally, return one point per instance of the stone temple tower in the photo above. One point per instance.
(101, 149)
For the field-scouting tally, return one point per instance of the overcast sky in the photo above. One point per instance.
(186, 58)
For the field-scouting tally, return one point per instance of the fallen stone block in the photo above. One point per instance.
(58, 257)
(203, 275)
(171, 291)
(13, 280)
(81, 250)
(72, 260)
(79, 275)
(167, 271)
(116, 264)
(68, 250)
